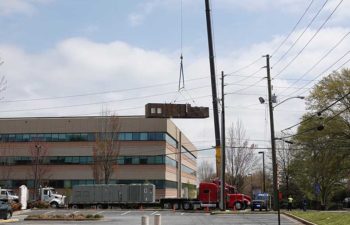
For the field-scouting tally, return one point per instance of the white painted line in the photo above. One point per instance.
(75, 212)
(182, 214)
(99, 212)
(125, 213)
(154, 213)
(49, 212)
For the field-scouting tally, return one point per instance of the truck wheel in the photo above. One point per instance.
(238, 205)
(166, 205)
(176, 206)
(186, 206)
(54, 205)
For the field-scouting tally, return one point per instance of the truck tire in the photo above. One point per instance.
(166, 205)
(238, 205)
(187, 206)
(176, 206)
(54, 205)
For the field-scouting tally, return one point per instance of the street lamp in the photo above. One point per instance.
(264, 186)
(300, 97)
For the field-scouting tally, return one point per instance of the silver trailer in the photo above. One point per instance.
(104, 195)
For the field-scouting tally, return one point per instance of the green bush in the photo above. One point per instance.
(98, 216)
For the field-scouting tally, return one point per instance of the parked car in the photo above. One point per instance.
(5, 210)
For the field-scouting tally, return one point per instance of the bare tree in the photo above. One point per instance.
(284, 158)
(3, 82)
(240, 157)
(205, 171)
(6, 166)
(39, 171)
(107, 148)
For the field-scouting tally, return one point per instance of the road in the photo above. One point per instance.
(133, 217)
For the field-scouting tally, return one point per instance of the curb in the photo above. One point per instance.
(9, 220)
(299, 219)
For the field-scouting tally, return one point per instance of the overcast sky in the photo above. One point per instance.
(71, 58)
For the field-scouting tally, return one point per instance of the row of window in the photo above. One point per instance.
(64, 137)
(69, 137)
(160, 184)
(84, 160)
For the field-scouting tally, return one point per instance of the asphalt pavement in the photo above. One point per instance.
(168, 217)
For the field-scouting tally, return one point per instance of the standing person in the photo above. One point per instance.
(304, 204)
(290, 202)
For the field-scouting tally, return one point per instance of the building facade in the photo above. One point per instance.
(58, 152)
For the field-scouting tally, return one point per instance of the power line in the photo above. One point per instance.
(319, 61)
(101, 92)
(318, 30)
(290, 33)
(319, 112)
(244, 67)
(323, 72)
(97, 103)
(296, 41)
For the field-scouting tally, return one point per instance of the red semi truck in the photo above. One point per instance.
(208, 196)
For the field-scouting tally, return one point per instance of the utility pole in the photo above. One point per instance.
(213, 88)
(273, 144)
(223, 142)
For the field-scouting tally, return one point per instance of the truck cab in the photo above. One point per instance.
(49, 195)
(7, 195)
(209, 194)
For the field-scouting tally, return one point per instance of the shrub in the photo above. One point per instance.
(98, 216)
(38, 205)
(16, 206)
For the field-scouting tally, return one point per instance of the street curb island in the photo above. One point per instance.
(299, 219)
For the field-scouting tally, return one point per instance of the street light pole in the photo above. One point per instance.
(264, 186)
(273, 144)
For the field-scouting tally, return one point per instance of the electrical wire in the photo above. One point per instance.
(318, 30)
(323, 72)
(319, 112)
(293, 29)
(318, 62)
(306, 28)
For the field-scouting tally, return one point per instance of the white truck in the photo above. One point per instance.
(49, 195)
(8, 195)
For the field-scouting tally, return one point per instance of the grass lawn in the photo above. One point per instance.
(324, 218)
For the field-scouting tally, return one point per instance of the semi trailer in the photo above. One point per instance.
(143, 195)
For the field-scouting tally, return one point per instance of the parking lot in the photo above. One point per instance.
(133, 217)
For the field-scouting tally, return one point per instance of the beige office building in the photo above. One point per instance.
(59, 152)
